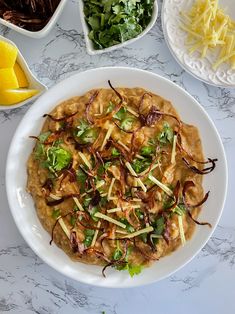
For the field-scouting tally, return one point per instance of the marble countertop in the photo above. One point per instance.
(27, 285)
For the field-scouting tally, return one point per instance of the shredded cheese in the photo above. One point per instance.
(137, 233)
(132, 112)
(109, 219)
(55, 197)
(76, 201)
(132, 171)
(118, 209)
(64, 227)
(110, 188)
(85, 160)
(173, 153)
(96, 234)
(210, 30)
(161, 185)
(181, 230)
(107, 136)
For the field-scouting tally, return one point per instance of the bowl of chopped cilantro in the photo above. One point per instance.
(112, 24)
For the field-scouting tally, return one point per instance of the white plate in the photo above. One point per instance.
(45, 30)
(89, 44)
(22, 206)
(175, 38)
(33, 81)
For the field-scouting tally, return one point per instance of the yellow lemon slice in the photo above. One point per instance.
(14, 96)
(21, 77)
(8, 79)
(8, 55)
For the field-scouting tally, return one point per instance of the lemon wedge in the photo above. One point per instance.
(21, 77)
(8, 79)
(13, 96)
(8, 55)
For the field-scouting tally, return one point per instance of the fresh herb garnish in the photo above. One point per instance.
(127, 123)
(56, 213)
(115, 152)
(129, 227)
(115, 21)
(120, 115)
(166, 135)
(84, 133)
(39, 151)
(132, 269)
(147, 151)
(88, 237)
(117, 253)
(57, 159)
(73, 221)
(159, 225)
(81, 178)
(140, 165)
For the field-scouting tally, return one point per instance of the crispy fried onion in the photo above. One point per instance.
(188, 206)
(61, 200)
(88, 107)
(203, 171)
(60, 119)
(76, 245)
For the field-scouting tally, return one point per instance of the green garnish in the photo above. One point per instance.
(110, 107)
(139, 214)
(139, 165)
(84, 133)
(117, 253)
(115, 152)
(166, 135)
(129, 227)
(114, 21)
(93, 211)
(147, 151)
(81, 178)
(132, 269)
(57, 159)
(88, 237)
(73, 221)
(121, 114)
(127, 123)
(159, 226)
(39, 151)
(56, 213)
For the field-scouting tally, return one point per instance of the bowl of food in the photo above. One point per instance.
(18, 85)
(112, 178)
(31, 18)
(111, 26)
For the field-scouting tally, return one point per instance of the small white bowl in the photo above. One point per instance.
(22, 205)
(33, 82)
(45, 30)
(89, 44)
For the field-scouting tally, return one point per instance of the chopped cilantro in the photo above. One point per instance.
(114, 21)
(147, 151)
(73, 221)
(81, 178)
(159, 225)
(57, 159)
(120, 115)
(56, 213)
(88, 237)
(93, 211)
(140, 165)
(115, 152)
(139, 214)
(166, 135)
(110, 107)
(117, 254)
(129, 227)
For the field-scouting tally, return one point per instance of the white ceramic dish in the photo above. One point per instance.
(89, 44)
(22, 206)
(33, 82)
(45, 30)
(175, 38)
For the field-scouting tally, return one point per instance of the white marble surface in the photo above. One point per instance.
(27, 285)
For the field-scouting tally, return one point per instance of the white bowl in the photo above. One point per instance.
(176, 37)
(45, 30)
(33, 82)
(22, 205)
(89, 44)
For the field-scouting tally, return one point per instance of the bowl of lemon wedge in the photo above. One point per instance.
(18, 85)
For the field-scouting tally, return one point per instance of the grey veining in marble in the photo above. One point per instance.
(27, 285)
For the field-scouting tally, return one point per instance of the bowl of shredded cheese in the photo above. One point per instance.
(201, 36)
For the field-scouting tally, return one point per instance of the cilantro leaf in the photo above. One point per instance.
(57, 159)
(89, 234)
(166, 135)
